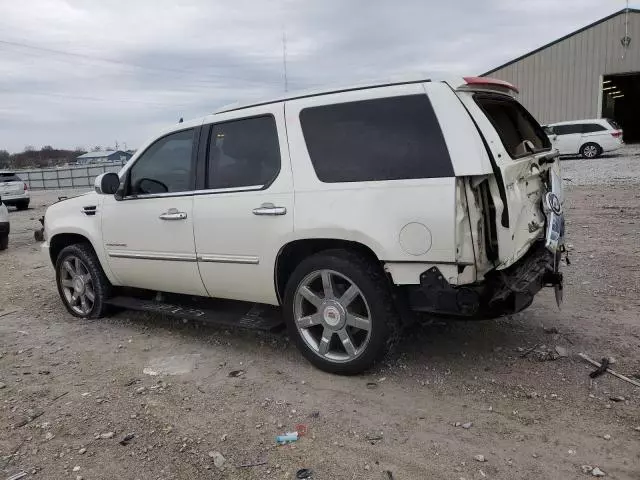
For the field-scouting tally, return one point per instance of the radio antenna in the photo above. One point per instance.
(284, 60)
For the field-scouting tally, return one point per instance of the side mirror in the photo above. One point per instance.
(107, 183)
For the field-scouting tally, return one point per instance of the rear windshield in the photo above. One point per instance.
(521, 135)
(9, 177)
(613, 124)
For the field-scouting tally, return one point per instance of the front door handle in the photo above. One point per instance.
(173, 214)
(269, 209)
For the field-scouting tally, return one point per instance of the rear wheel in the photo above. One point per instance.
(22, 205)
(590, 150)
(4, 242)
(82, 285)
(339, 311)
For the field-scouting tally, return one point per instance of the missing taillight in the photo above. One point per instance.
(489, 215)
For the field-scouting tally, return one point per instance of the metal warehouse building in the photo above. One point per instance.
(591, 73)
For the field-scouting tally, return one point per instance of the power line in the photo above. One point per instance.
(90, 57)
(96, 99)
(53, 51)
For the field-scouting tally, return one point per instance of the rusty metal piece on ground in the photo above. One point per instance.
(604, 364)
(125, 441)
(615, 374)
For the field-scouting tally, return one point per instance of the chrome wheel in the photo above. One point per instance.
(590, 151)
(332, 316)
(77, 285)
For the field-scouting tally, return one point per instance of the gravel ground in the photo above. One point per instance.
(71, 390)
(620, 167)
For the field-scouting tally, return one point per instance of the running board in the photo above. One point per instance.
(229, 313)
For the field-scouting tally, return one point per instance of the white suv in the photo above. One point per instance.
(350, 209)
(589, 138)
(14, 191)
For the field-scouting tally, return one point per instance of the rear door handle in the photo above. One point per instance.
(173, 214)
(269, 209)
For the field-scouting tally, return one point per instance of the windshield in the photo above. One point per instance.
(520, 133)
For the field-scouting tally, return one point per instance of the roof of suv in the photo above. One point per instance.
(602, 121)
(324, 91)
(471, 83)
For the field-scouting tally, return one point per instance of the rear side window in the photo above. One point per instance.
(9, 177)
(567, 129)
(521, 135)
(592, 127)
(382, 139)
(243, 153)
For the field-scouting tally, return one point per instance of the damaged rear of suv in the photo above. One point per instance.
(347, 210)
(511, 218)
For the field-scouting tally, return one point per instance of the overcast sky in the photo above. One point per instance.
(92, 72)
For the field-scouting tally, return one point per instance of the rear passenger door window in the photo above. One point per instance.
(568, 129)
(381, 139)
(243, 153)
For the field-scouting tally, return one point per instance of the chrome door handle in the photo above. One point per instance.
(269, 209)
(173, 214)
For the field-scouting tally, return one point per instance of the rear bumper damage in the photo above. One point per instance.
(502, 292)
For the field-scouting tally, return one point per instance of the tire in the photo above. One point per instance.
(4, 242)
(93, 281)
(333, 317)
(22, 205)
(590, 150)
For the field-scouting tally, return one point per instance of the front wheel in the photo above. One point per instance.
(82, 285)
(590, 150)
(340, 312)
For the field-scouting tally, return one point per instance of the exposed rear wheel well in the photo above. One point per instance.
(58, 242)
(294, 252)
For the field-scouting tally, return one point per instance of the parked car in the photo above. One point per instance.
(14, 191)
(589, 138)
(4, 226)
(350, 209)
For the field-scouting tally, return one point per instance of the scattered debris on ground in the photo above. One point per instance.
(96, 391)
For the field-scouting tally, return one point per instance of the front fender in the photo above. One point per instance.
(68, 217)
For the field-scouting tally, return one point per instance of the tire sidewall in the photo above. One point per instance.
(100, 284)
(598, 150)
(376, 300)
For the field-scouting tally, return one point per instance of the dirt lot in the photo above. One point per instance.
(71, 390)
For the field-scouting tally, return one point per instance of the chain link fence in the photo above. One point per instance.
(67, 177)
